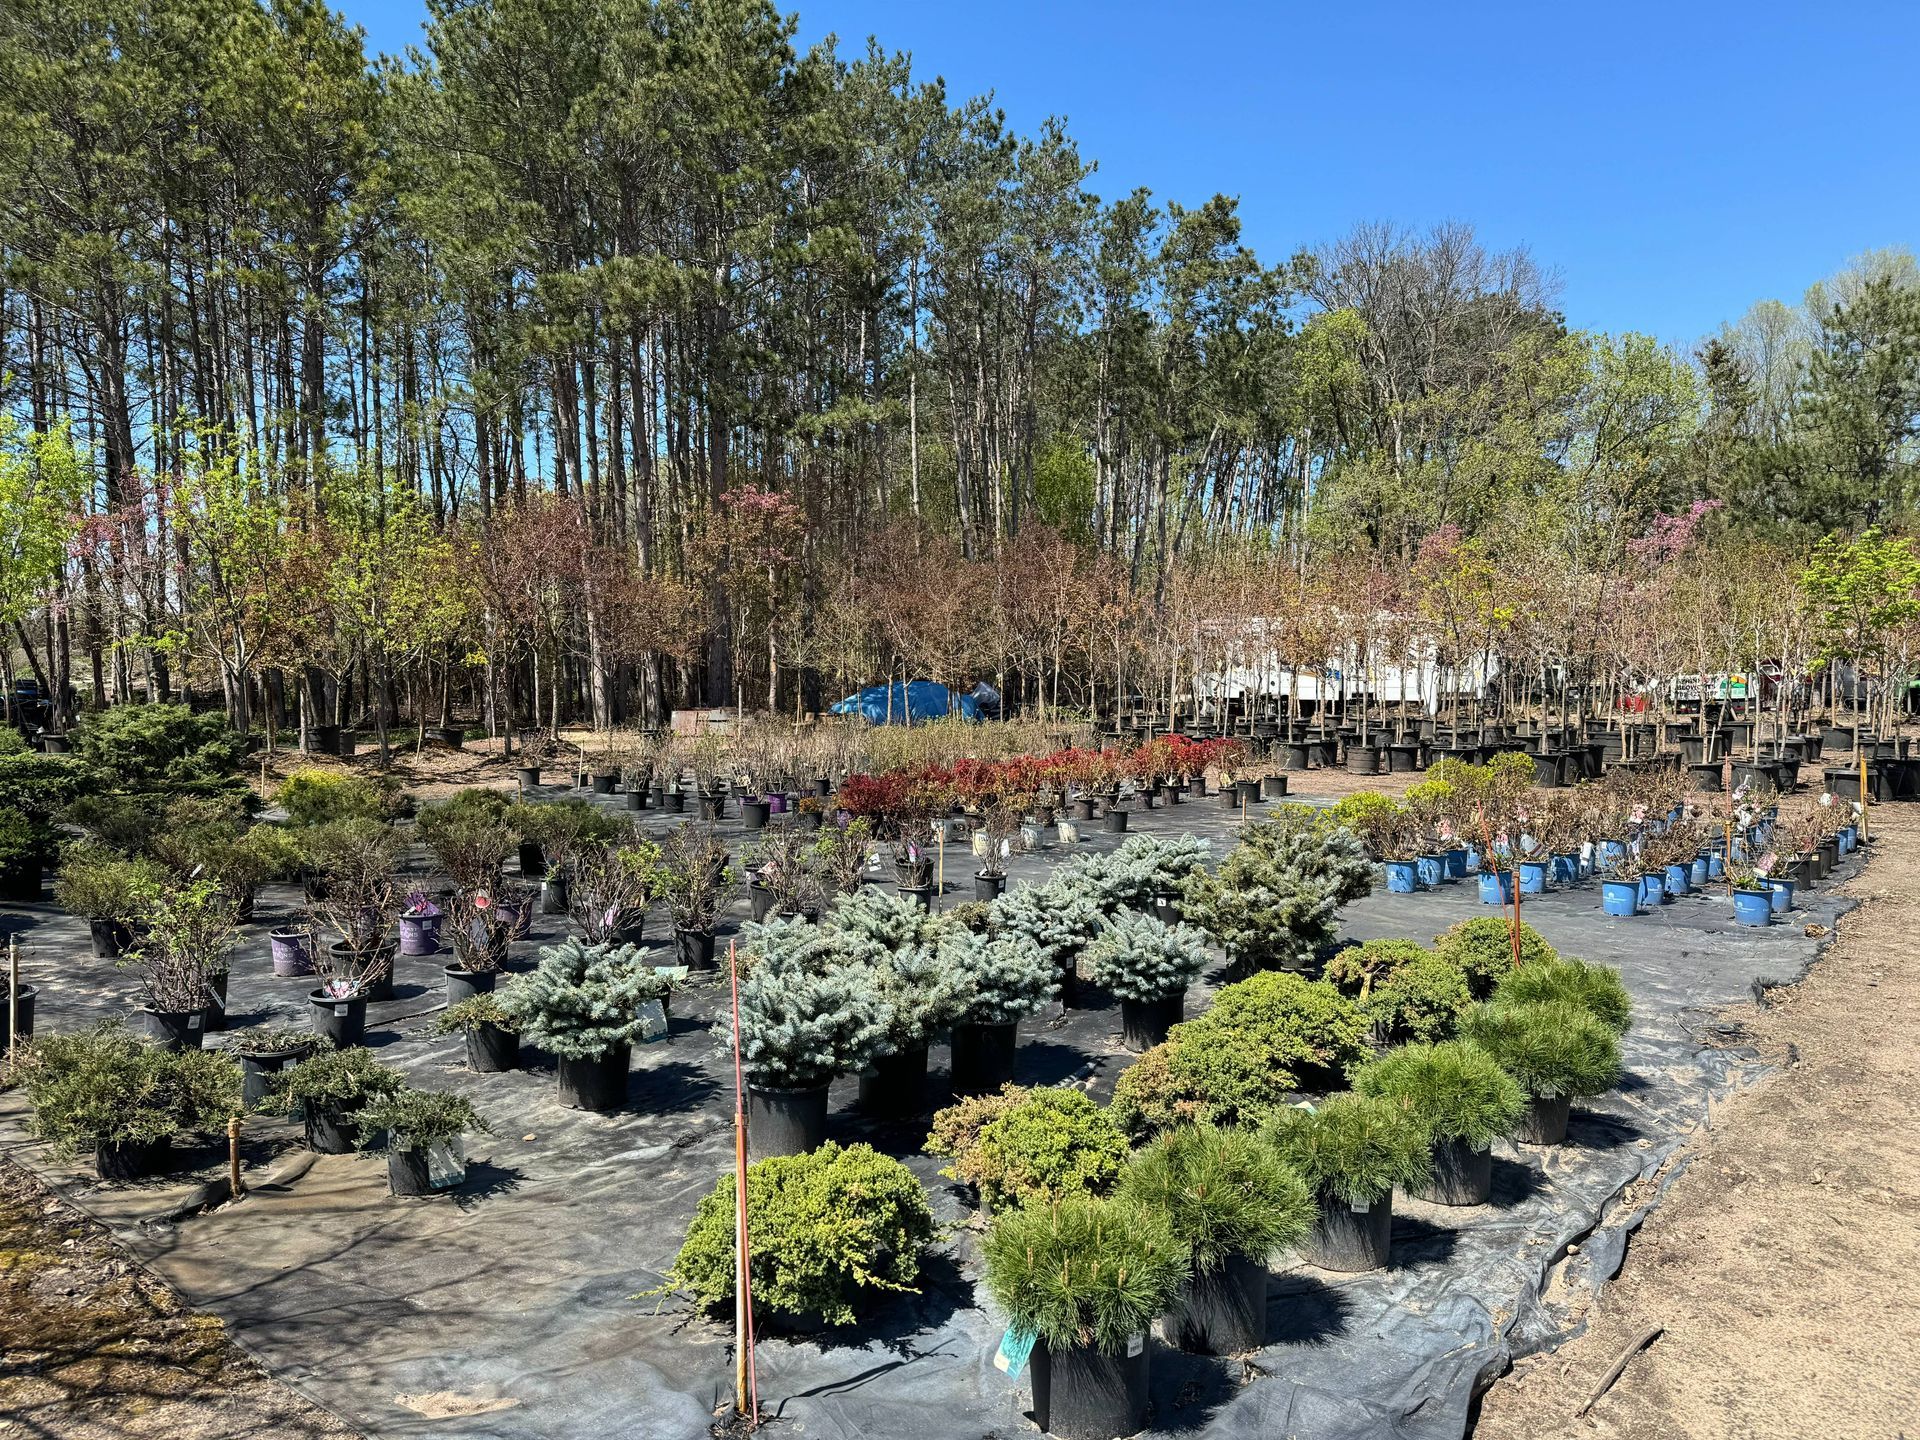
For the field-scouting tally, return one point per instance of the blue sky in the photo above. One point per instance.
(1672, 163)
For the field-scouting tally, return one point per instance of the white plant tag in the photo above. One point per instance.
(653, 1021)
(1135, 1344)
(1357, 1209)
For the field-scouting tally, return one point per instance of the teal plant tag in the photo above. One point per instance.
(653, 1021)
(1015, 1346)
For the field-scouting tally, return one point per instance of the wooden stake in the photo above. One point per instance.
(233, 1157)
(13, 996)
(1863, 785)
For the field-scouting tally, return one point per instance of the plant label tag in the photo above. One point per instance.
(1015, 1347)
(1356, 1209)
(1135, 1344)
(193, 1020)
(653, 1021)
(676, 973)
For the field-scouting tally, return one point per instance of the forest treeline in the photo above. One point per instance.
(606, 355)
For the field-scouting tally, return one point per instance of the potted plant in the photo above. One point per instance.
(419, 924)
(840, 854)
(1351, 1151)
(1273, 900)
(808, 1012)
(481, 935)
(354, 859)
(831, 1231)
(105, 890)
(491, 1031)
(920, 987)
(186, 935)
(1018, 1146)
(413, 1122)
(1061, 918)
(1406, 991)
(1752, 896)
(1557, 1051)
(783, 878)
(1233, 1202)
(560, 828)
(1483, 950)
(613, 884)
(1000, 818)
(128, 1101)
(264, 1051)
(1085, 1279)
(1596, 989)
(1149, 965)
(1004, 978)
(583, 1005)
(331, 1087)
(1464, 1101)
(694, 875)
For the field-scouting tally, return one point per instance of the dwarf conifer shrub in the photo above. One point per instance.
(414, 1119)
(107, 1085)
(1225, 1191)
(1005, 976)
(1456, 1091)
(1263, 1040)
(583, 1001)
(315, 797)
(1596, 989)
(1483, 948)
(807, 1012)
(1060, 918)
(1139, 957)
(1140, 871)
(1352, 1149)
(826, 1228)
(1553, 1048)
(1408, 993)
(1084, 1271)
(1041, 1144)
(334, 1079)
(1273, 900)
(916, 976)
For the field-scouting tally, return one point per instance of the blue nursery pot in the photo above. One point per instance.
(1677, 880)
(1496, 887)
(1620, 897)
(1533, 877)
(1402, 877)
(1432, 869)
(1697, 872)
(1457, 863)
(1653, 890)
(1753, 907)
(1782, 895)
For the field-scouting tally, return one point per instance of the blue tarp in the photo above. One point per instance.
(912, 702)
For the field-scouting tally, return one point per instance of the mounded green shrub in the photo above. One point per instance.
(107, 1084)
(96, 884)
(1263, 1040)
(915, 975)
(825, 1228)
(1483, 948)
(1139, 957)
(1352, 1148)
(165, 748)
(313, 796)
(1552, 1049)
(414, 1119)
(342, 1079)
(1041, 1144)
(1273, 900)
(583, 1001)
(1596, 989)
(1225, 1191)
(1005, 977)
(1407, 992)
(1455, 1090)
(1084, 1270)
(807, 1013)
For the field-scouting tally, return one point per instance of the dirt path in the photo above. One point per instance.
(1784, 1264)
(93, 1348)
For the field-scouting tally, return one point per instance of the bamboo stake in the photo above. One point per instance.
(1863, 784)
(13, 997)
(746, 1381)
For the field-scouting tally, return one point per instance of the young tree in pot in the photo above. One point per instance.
(1149, 965)
(332, 1087)
(1352, 1150)
(1557, 1051)
(355, 860)
(1234, 1202)
(918, 983)
(1086, 1278)
(840, 853)
(128, 1101)
(784, 880)
(406, 1124)
(1273, 900)
(1024, 1146)
(1005, 978)
(482, 935)
(583, 1005)
(106, 891)
(1000, 817)
(612, 887)
(264, 1051)
(561, 828)
(1462, 1098)
(694, 876)
(186, 936)
(492, 1032)
(809, 1012)
(830, 1231)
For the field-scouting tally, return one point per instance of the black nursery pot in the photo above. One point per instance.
(895, 1086)
(1248, 791)
(753, 814)
(1350, 1240)
(492, 1050)
(533, 860)
(605, 783)
(216, 1006)
(785, 1122)
(343, 1021)
(257, 1072)
(110, 938)
(1225, 1310)
(1545, 1122)
(463, 984)
(1144, 1023)
(1082, 807)
(1273, 787)
(128, 1159)
(1083, 1394)
(983, 1057)
(1116, 820)
(674, 802)
(529, 775)
(1461, 1175)
(597, 1083)
(175, 1029)
(22, 1012)
(694, 948)
(637, 798)
(407, 1173)
(332, 1130)
(553, 895)
(988, 887)
(759, 900)
(921, 895)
